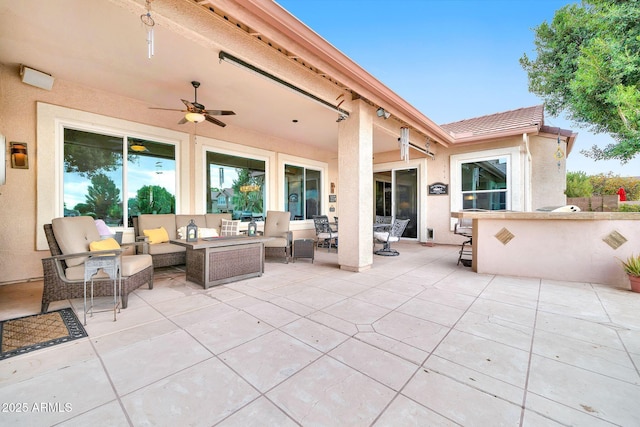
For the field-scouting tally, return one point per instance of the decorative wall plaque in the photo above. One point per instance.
(439, 188)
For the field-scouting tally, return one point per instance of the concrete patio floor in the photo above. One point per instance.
(415, 341)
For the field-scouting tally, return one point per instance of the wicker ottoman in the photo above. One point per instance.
(303, 248)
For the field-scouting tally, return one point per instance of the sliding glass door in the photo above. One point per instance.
(396, 196)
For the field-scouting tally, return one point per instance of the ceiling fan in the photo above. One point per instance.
(196, 112)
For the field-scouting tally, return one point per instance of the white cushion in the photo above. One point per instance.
(207, 232)
(384, 237)
(327, 235)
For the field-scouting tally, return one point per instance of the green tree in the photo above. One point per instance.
(609, 184)
(88, 161)
(578, 185)
(247, 201)
(152, 199)
(588, 65)
(102, 199)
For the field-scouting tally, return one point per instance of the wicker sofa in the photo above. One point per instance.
(167, 254)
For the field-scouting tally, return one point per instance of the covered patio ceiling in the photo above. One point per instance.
(102, 44)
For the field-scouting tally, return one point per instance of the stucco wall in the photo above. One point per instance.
(548, 172)
(556, 249)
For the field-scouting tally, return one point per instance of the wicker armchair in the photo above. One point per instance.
(276, 225)
(64, 272)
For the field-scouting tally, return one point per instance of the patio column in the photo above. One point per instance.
(355, 188)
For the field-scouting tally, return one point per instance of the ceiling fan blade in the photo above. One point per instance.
(221, 112)
(190, 106)
(183, 121)
(167, 109)
(214, 121)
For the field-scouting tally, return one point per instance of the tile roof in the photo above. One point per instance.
(513, 120)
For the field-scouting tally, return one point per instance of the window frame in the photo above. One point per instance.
(322, 167)
(51, 121)
(233, 149)
(514, 180)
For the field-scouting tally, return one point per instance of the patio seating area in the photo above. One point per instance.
(416, 340)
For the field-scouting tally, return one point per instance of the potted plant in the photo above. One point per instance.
(632, 268)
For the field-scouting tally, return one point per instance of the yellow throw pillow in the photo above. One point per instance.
(156, 235)
(104, 245)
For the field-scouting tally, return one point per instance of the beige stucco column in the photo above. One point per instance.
(355, 190)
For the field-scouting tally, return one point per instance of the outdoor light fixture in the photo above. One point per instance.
(223, 56)
(19, 157)
(194, 117)
(381, 112)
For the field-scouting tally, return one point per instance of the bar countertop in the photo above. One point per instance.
(540, 215)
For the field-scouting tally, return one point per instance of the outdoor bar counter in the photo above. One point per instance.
(569, 246)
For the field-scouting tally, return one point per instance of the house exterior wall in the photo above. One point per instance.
(19, 227)
(21, 244)
(549, 180)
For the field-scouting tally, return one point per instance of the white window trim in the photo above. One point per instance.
(204, 145)
(323, 167)
(515, 180)
(421, 165)
(51, 121)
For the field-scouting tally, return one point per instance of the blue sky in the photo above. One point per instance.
(451, 59)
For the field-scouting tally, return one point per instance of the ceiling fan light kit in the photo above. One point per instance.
(195, 117)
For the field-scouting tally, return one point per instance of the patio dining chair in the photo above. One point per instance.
(324, 233)
(386, 236)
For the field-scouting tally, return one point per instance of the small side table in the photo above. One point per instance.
(110, 264)
(303, 248)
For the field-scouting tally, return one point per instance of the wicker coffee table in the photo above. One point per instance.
(220, 260)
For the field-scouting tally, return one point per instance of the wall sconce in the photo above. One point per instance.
(19, 157)
(381, 112)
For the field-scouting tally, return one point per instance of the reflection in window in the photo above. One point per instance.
(302, 189)
(484, 184)
(236, 186)
(151, 177)
(383, 193)
(94, 181)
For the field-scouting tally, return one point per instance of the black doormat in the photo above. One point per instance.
(29, 333)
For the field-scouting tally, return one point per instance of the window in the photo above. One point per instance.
(484, 184)
(98, 183)
(235, 185)
(302, 191)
